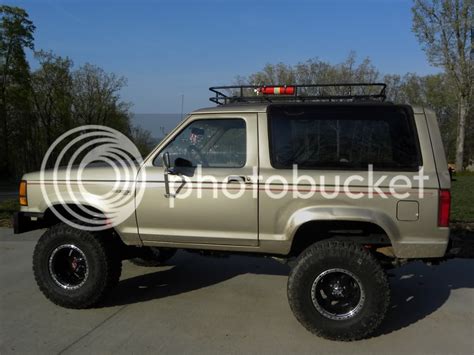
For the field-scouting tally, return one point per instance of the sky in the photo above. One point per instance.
(167, 49)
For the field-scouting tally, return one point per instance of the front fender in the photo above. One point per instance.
(40, 200)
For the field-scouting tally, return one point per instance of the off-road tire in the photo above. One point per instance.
(153, 256)
(331, 255)
(104, 266)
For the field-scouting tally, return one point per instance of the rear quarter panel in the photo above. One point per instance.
(280, 218)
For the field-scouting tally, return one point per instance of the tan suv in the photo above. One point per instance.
(331, 178)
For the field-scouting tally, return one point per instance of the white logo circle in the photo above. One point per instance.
(89, 177)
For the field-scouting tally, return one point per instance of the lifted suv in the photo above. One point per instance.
(328, 177)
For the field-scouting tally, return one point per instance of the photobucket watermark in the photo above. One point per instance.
(89, 175)
(329, 185)
(93, 177)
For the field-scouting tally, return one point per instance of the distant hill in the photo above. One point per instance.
(158, 124)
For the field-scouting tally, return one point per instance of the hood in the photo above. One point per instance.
(89, 173)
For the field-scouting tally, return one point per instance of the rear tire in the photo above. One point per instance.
(154, 256)
(75, 268)
(339, 291)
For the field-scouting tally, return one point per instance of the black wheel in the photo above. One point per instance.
(338, 291)
(75, 268)
(153, 256)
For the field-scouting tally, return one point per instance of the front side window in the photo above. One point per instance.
(217, 143)
(343, 137)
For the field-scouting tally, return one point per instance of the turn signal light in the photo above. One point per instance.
(22, 194)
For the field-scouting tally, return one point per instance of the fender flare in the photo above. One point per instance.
(338, 213)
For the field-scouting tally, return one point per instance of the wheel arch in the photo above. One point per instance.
(320, 223)
(51, 218)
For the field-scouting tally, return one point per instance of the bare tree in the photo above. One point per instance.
(443, 28)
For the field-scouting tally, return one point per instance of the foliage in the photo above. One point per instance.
(38, 106)
(143, 140)
(16, 31)
(433, 91)
(7, 209)
(444, 28)
(462, 209)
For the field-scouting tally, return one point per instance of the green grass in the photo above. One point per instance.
(462, 190)
(7, 208)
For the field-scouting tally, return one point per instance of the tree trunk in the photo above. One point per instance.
(463, 103)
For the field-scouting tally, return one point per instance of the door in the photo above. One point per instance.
(213, 193)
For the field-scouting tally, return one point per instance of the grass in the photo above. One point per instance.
(7, 208)
(462, 209)
(462, 191)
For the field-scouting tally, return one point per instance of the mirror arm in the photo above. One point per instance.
(167, 184)
(171, 171)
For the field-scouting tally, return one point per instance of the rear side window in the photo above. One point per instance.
(343, 137)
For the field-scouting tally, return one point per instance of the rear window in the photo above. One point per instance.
(343, 137)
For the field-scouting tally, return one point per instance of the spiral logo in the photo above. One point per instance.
(89, 177)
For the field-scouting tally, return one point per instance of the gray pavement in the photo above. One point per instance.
(232, 305)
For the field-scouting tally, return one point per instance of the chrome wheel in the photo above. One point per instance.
(337, 294)
(68, 266)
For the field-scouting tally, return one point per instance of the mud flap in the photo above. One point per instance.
(461, 245)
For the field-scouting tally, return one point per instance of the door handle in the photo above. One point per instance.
(235, 178)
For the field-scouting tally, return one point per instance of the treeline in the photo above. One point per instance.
(37, 106)
(434, 91)
(445, 31)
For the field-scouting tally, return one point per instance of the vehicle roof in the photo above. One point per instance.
(262, 107)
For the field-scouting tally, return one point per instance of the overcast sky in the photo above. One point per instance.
(169, 48)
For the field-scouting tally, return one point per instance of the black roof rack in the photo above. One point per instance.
(299, 93)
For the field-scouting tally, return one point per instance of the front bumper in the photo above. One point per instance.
(27, 221)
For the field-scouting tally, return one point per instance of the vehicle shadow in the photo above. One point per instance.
(418, 290)
(188, 272)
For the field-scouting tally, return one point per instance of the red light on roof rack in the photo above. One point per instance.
(276, 90)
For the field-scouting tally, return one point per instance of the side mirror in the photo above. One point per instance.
(166, 160)
(183, 163)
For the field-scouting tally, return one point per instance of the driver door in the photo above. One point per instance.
(217, 202)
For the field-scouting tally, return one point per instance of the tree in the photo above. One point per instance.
(433, 91)
(142, 139)
(52, 95)
(314, 71)
(443, 28)
(16, 34)
(96, 98)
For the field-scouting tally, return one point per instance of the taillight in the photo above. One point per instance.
(22, 194)
(444, 208)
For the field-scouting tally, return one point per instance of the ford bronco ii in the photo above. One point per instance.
(331, 178)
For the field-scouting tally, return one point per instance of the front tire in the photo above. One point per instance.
(75, 268)
(339, 291)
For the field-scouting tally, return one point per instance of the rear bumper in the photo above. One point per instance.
(27, 221)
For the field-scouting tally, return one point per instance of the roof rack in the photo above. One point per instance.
(298, 93)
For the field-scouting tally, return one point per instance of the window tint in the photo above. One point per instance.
(344, 137)
(219, 143)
